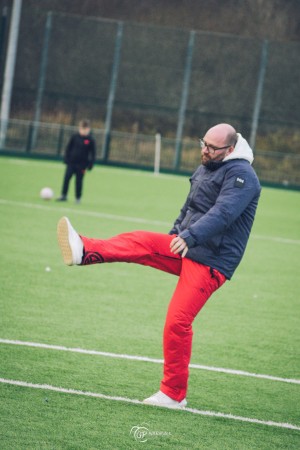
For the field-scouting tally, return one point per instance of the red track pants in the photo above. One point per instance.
(195, 285)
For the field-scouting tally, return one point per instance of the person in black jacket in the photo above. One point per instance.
(80, 155)
(203, 248)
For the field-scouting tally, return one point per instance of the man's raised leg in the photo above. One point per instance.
(139, 247)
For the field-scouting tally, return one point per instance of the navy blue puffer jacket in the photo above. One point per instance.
(218, 214)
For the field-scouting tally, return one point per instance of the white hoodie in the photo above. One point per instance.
(242, 150)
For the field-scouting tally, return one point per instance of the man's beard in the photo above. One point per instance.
(205, 160)
(212, 164)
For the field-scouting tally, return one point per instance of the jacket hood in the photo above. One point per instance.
(242, 150)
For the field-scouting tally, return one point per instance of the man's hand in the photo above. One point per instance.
(178, 245)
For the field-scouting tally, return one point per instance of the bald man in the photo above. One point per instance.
(203, 249)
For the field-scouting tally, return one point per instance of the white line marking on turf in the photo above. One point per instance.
(103, 168)
(146, 359)
(127, 218)
(86, 213)
(277, 239)
(138, 402)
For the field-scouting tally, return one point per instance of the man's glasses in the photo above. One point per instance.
(211, 148)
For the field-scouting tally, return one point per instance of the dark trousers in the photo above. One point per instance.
(79, 173)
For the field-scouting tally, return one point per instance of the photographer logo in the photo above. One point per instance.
(142, 433)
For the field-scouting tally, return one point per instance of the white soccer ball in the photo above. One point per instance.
(46, 193)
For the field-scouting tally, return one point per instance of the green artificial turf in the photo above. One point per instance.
(251, 324)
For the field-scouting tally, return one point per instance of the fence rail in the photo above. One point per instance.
(138, 150)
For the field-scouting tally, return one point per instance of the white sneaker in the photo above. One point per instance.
(161, 399)
(70, 243)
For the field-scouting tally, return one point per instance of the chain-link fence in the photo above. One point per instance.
(132, 80)
(138, 150)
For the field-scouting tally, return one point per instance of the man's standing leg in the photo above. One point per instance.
(195, 285)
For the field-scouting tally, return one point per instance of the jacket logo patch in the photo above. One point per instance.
(239, 182)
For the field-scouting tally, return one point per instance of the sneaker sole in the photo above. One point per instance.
(63, 241)
(162, 405)
(165, 405)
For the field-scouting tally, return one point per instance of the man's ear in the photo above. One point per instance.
(230, 150)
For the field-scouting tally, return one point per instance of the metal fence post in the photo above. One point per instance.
(184, 98)
(29, 138)
(259, 91)
(42, 78)
(112, 91)
(157, 153)
(60, 139)
(9, 69)
(2, 36)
